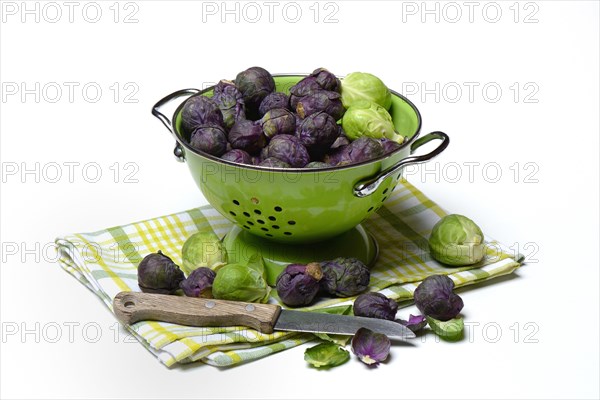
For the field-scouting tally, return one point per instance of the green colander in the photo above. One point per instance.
(295, 207)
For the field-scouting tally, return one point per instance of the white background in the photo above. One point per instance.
(549, 210)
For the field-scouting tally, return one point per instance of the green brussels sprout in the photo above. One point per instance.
(203, 249)
(369, 119)
(456, 240)
(240, 282)
(157, 273)
(359, 86)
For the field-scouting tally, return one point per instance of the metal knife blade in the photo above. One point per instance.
(131, 307)
(302, 321)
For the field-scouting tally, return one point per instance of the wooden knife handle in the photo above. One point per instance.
(131, 307)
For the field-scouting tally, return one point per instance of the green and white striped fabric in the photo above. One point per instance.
(106, 263)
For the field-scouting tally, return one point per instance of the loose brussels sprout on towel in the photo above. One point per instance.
(241, 282)
(344, 277)
(298, 284)
(157, 273)
(456, 240)
(375, 305)
(435, 298)
(370, 347)
(199, 283)
(203, 249)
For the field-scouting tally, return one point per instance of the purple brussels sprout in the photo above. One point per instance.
(255, 84)
(237, 156)
(289, 149)
(274, 100)
(247, 135)
(317, 133)
(415, 322)
(341, 140)
(334, 156)
(209, 139)
(298, 284)
(362, 149)
(345, 277)
(317, 164)
(199, 283)
(389, 145)
(326, 80)
(435, 298)
(370, 347)
(303, 88)
(200, 110)
(230, 101)
(278, 121)
(375, 305)
(321, 100)
(273, 162)
(157, 273)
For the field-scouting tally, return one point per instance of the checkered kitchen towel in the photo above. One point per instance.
(106, 262)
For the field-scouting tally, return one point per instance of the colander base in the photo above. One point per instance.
(357, 243)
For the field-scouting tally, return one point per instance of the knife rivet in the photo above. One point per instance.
(210, 304)
(250, 307)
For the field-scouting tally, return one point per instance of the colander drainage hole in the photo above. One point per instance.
(370, 209)
(271, 218)
(260, 221)
(385, 191)
(275, 226)
(382, 200)
(237, 203)
(269, 235)
(250, 222)
(257, 212)
(278, 209)
(287, 233)
(264, 229)
(232, 213)
(246, 226)
(292, 222)
(247, 214)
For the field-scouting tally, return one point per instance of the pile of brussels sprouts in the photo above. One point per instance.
(323, 122)
(455, 241)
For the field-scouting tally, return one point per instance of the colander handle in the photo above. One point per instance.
(369, 186)
(156, 111)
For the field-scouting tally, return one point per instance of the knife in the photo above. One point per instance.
(131, 307)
